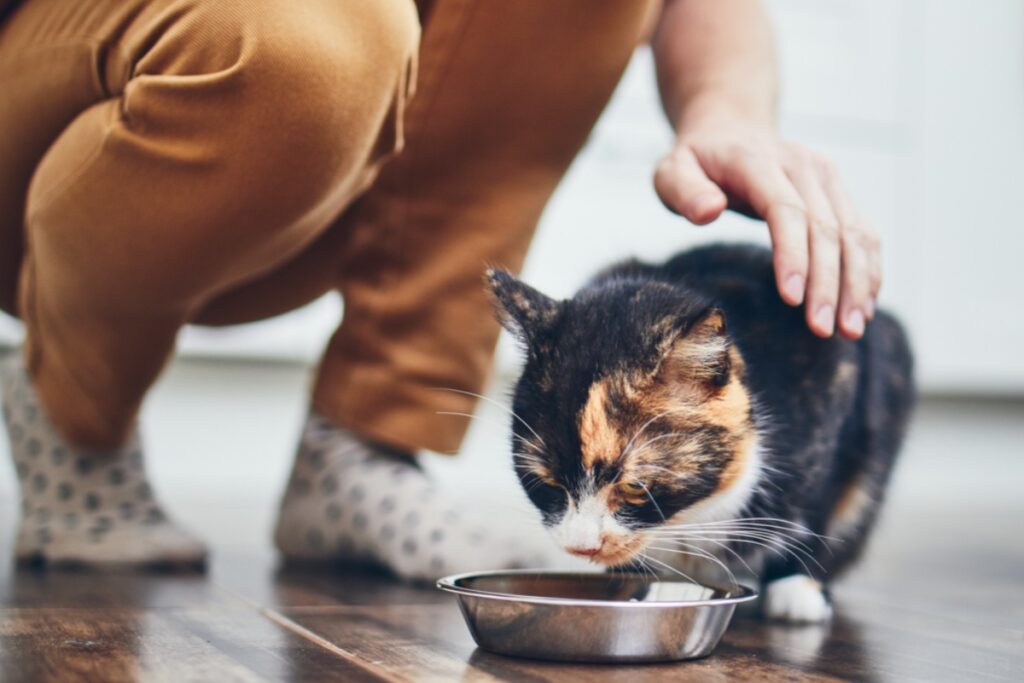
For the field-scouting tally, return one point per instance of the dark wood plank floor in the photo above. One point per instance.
(940, 597)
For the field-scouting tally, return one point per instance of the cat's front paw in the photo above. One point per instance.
(796, 599)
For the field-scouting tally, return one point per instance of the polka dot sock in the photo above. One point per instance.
(84, 508)
(350, 501)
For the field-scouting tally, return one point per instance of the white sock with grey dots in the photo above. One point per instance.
(78, 507)
(350, 501)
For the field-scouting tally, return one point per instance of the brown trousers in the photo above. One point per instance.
(165, 162)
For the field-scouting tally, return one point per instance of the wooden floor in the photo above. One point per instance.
(940, 597)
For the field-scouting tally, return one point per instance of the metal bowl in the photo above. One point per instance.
(594, 617)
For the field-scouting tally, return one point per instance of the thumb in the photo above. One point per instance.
(684, 188)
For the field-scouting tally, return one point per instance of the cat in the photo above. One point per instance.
(677, 415)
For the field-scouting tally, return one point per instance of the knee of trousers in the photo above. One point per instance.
(313, 95)
(267, 112)
(238, 131)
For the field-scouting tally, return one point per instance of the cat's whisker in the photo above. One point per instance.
(771, 536)
(653, 502)
(496, 425)
(537, 481)
(639, 561)
(765, 533)
(726, 548)
(524, 464)
(692, 550)
(531, 478)
(528, 459)
(778, 521)
(772, 539)
(659, 468)
(644, 569)
(495, 403)
(651, 570)
(775, 544)
(771, 469)
(760, 523)
(626, 449)
(672, 569)
(657, 438)
(780, 552)
(697, 552)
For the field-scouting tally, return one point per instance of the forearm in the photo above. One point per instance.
(715, 57)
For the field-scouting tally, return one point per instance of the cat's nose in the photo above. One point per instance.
(585, 552)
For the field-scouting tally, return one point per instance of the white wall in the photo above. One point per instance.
(921, 103)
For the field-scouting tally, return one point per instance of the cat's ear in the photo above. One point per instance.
(520, 308)
(697, 357)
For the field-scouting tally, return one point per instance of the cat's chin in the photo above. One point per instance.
(623, 562)
(623, 559)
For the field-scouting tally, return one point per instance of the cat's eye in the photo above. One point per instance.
(633, 491)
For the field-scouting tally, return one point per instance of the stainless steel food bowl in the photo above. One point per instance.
(592, 617)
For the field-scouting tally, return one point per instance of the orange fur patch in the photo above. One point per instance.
(684, 406)
(729, 408)
(599, 439)
(542, 474)
(846, 372)
(850, 507)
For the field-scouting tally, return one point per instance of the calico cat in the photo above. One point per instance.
(683, 411)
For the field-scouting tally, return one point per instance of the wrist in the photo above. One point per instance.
(717, 108)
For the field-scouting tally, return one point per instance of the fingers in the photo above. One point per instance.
(771, 194)
(685, 189)
(855, 293)
(823, 234)
(825, 256)
(861, 259)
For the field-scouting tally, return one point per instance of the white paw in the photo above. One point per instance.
(797, 599)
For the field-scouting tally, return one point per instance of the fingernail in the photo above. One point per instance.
(855, 322)
(825, 318)
(869, 308)
(703, 201)
(795, 288)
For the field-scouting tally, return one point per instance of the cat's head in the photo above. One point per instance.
(631, 412)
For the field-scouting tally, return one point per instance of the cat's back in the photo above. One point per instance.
(783, 356)
(735, 271)
(787, 363)
(736, 277)
(732, 274)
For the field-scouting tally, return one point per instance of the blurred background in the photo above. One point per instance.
(920, 103)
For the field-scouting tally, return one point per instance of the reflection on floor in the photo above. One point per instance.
(940, 595)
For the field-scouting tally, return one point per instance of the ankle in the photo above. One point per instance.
(350, 500)
(320, 430)
(82, 505)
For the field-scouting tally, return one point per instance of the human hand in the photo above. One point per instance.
(824, 253)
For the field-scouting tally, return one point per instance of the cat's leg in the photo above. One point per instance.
(871, 441)
(351, 501)
(795, 584)
(874, 438)
(797, 598)
(83, 508)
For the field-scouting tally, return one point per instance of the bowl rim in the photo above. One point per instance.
(449, 584)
